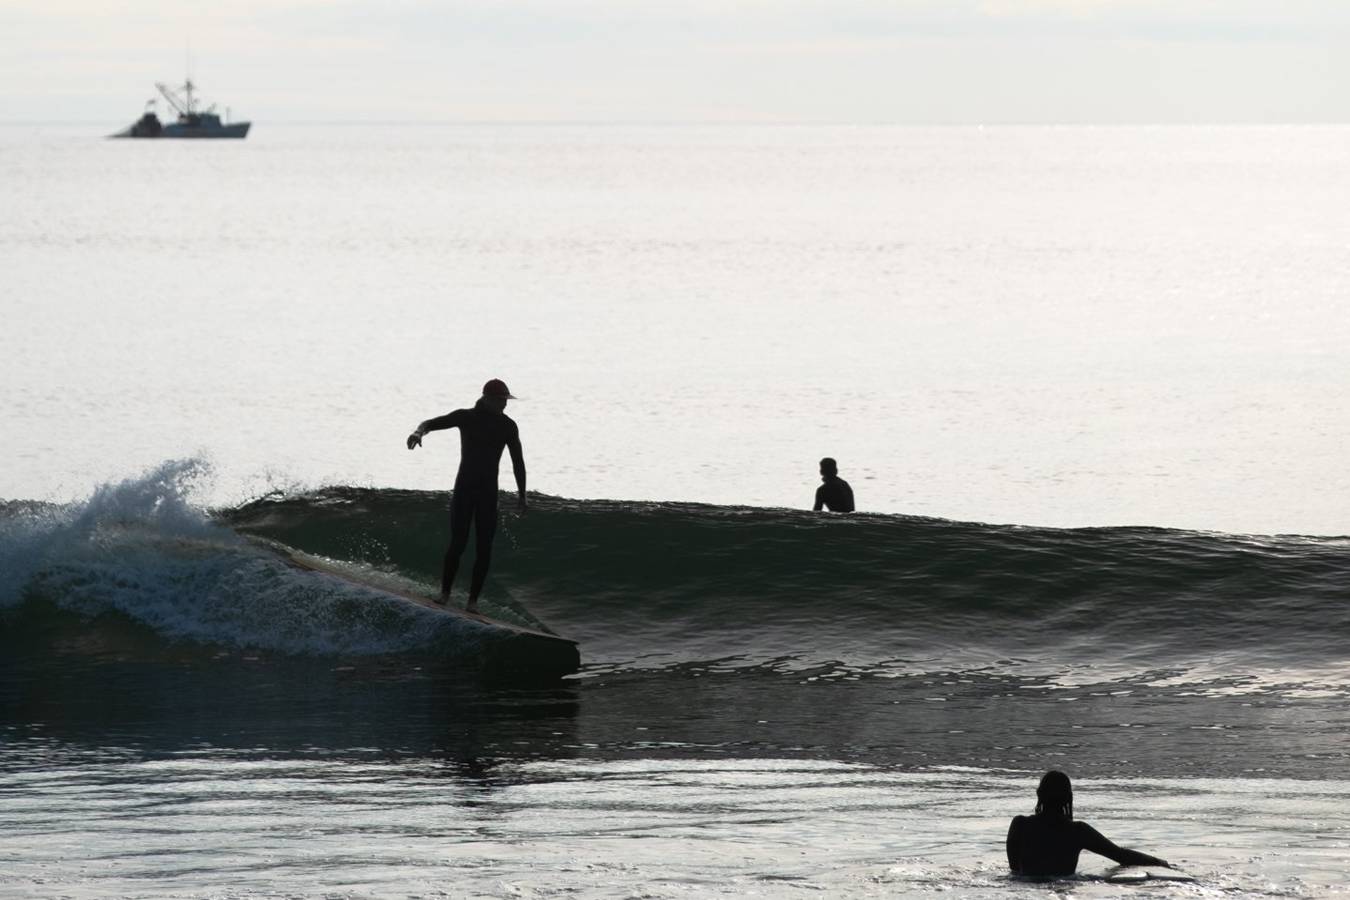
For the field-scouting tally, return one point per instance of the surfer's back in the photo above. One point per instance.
(483, 434)
(1045, 845)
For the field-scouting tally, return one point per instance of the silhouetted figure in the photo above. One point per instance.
(484, 432)
(835, 494)
(1048, 842)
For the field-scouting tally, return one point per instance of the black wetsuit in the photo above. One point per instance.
(1044, 845)
(483, 434)
(834, 495)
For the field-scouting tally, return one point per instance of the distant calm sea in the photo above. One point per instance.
(1090, 386)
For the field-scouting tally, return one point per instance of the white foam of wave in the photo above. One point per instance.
(140, 548)
(38, 538)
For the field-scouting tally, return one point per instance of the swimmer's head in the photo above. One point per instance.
(828, 467)
(1054, 795)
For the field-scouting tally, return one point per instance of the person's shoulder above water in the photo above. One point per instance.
(834, 493)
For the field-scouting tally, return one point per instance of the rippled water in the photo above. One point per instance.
(355, 825)
(1045, 326)
(241, 774)
(1039, 326)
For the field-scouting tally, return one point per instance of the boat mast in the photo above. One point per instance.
(185, 105)
(174, 100)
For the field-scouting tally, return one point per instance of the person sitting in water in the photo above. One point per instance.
(835, 494)
(1048, 842)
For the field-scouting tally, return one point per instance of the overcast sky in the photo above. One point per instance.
(907, 61)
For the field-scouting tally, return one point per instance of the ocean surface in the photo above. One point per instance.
(1088, 385)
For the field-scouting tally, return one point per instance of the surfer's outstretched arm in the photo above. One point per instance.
(440, 423)
(1095, 841)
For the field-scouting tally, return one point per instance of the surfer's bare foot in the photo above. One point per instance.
(443, 599)
(471, 606)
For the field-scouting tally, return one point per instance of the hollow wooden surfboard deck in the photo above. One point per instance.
(307, 562)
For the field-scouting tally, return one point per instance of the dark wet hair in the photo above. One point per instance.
(830, 464)
(1054, 795)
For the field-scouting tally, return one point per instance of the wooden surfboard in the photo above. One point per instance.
(550, 650)
(1137, 874)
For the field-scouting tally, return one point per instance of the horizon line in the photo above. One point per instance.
(735, 123)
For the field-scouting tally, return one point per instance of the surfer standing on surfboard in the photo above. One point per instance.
(484, 432)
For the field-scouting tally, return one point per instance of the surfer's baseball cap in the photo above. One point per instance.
(497, 388)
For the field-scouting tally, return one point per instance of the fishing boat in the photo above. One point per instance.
(192, 122)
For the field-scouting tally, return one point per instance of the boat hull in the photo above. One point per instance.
(233, 130)
(197, 126)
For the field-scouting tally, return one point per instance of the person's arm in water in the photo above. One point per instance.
(517, 464)
(449, 420)
(1094, 840)
(820, 499)
(848, 494)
